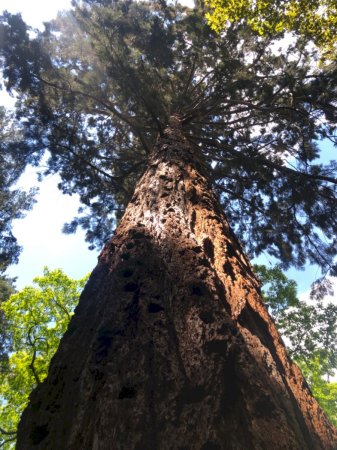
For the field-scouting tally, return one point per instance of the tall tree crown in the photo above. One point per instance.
(100, 83)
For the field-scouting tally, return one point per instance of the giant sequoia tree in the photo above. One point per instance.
(171, 346)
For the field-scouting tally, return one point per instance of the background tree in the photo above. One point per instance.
(36, 318)
(316, 20)
(279, 292)
(310, 332)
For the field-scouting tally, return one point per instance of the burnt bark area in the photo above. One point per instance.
(171, 346)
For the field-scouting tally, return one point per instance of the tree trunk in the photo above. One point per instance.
(171, 346)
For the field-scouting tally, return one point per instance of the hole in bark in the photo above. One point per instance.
(193, 196)
(230, 250)
(217, 346)
(198, 290)
(127, 392)
(130, 245)
(193, 221)
(139, 235)
(39, 432)
(204, 262)
(209, 248)
(163, 220)
(170, 210)
(164, 194)
(130, 287)
(228, 269)
(206, 317)
(154, 308)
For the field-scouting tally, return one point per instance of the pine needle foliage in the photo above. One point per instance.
(99, 84)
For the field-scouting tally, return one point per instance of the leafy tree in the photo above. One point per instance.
(14, 156)
(315, 369)
(279, 292)
(7, 288)
(310, 331)
(316, 19)
(178, 334)
(37, 317)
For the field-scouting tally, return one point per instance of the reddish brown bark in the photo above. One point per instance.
(171, 346)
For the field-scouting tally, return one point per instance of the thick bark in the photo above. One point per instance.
(171, 346)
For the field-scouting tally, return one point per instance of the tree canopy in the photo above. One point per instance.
(36, 318)
(99, 84)
(314, 19)
(13, 202)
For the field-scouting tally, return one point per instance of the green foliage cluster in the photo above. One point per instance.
(99, 84)
(314, 370)
(310, 333)
(36, 317)
(313, 19)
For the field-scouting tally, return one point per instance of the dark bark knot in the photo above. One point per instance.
(209, 248)
(228, 269)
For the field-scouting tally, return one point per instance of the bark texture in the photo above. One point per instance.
(171, 346)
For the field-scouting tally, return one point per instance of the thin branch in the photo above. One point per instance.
(266, 162)
(7, 433)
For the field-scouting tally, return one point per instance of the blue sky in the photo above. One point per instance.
(40, 232)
